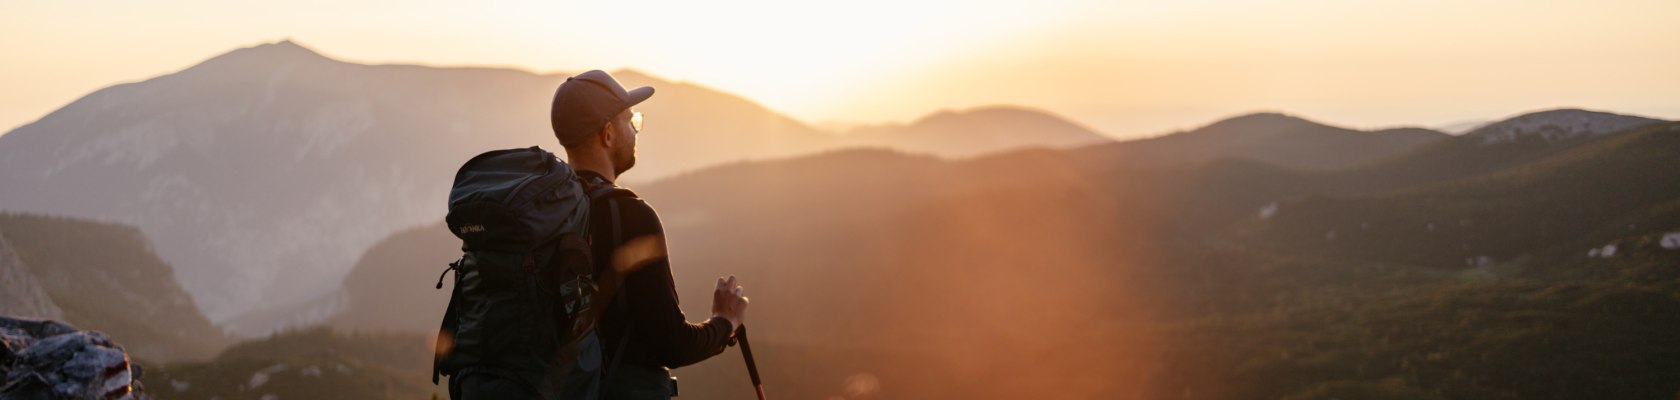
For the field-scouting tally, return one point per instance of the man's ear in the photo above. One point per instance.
(605, 135)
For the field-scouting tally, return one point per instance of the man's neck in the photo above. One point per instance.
(593, 163)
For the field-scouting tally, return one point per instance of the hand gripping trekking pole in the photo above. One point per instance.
(752, 369)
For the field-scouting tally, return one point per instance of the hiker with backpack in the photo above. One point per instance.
(564, 290)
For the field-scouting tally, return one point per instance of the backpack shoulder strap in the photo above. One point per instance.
(610, 194)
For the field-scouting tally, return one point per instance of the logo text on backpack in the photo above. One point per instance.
(472, 228)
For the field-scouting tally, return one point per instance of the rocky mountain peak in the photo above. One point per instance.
(262, 57)
(1557, 125)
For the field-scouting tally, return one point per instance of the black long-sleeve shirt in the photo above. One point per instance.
(660, 335)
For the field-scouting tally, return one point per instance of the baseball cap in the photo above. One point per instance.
(585, 102)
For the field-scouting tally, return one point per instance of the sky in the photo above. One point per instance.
(1126, 68)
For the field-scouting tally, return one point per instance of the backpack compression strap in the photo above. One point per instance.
(449, 319)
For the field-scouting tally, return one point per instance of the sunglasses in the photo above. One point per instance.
(635, 122)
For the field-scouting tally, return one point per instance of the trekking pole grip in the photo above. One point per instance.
(752, 368)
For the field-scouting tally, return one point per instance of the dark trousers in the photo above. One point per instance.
(483, 386)
(635, 382)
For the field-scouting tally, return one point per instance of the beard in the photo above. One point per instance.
(623, 160)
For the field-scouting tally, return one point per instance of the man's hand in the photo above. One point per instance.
(730, 302)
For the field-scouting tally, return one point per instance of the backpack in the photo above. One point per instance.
(520, 307)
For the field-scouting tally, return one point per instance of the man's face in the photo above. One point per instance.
(624, 156)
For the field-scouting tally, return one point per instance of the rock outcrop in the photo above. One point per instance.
(49, 360)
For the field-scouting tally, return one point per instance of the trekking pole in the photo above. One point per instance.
(752, 369)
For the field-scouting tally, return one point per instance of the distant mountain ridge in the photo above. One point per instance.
(1564, 202)
(884, 184)
(1098, 264)
(976, 131)
(262, 173)
(1557, 125)
(1268, 137)
(1508, 143)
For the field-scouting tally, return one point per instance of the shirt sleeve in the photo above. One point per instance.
(656, 318)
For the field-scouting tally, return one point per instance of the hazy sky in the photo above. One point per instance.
(1125, 67)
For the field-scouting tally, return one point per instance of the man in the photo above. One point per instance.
(643, 332)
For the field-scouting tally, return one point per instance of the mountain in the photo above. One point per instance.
(1557, 125)
(1463, 127)
(937, 278)
(262, 173)
(1502, 145)
(391, 289)
(1017, 273)
(757, 219)
(1612, 186)
(21, 294)
(1134, 283)
(104, 277)
(1271, 138)
(977, 131)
